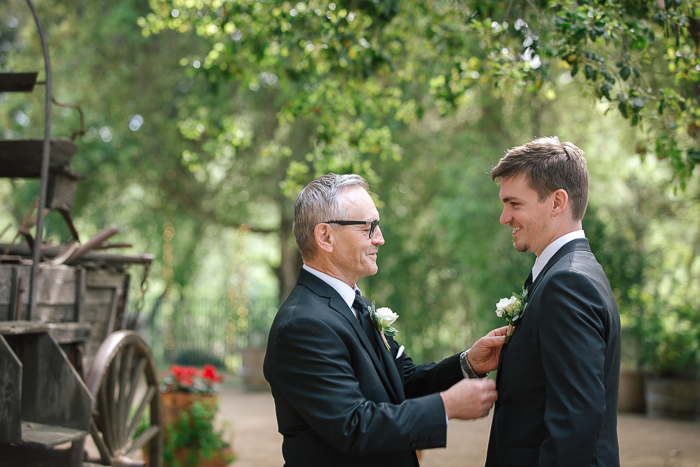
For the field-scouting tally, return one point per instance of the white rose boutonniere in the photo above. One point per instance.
(383, 318)
(511, 309)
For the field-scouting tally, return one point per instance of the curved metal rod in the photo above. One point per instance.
(44, 166)
(80, 132)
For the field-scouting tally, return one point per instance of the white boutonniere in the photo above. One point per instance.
(383, 318)
(511, 309)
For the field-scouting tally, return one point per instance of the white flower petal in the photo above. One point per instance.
(386, 317)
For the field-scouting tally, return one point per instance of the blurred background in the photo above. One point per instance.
(202, 119)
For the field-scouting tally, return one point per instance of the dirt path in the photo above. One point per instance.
(644, 442)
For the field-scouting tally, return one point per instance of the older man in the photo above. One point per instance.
(342, 398)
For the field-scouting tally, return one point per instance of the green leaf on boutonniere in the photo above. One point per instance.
(511, 309)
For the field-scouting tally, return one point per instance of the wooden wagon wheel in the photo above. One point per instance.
(124, 383)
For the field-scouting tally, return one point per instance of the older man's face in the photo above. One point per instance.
(354, 253)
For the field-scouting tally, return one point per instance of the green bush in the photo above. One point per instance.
(196, 430)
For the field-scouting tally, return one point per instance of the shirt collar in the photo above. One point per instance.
(346, 292)
(552, 248)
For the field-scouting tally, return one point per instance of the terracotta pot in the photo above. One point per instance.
(672, 397)
(631, 395)
(218, 458)
(176, 402)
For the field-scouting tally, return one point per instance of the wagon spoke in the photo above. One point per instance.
(142, 407)
(122, 409)
(106, 456)
(146, 400)
(143, 438)
(110, 415)
(136, 373)
(105, 417)
(125, 384)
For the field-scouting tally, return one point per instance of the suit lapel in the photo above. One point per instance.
(337, 304)
(382, 361)
(580, 244)
(393, 372)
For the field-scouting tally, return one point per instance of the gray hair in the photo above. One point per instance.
(320, 202)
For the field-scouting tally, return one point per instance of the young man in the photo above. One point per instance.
(558, 375)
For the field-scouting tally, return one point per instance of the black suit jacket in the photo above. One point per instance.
(338, 403)
(558, 376)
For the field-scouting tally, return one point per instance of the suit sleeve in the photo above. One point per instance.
(428, 378)
(572, 334)
(319, 369)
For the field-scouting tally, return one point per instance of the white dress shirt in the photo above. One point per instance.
(552, 248)
(345, 291)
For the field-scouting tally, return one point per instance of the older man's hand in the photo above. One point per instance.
(469, 399)
(483, 355)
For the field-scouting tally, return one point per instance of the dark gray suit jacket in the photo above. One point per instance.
(337, 402)
(558, 376)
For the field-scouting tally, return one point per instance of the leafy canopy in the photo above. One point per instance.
(353, 70)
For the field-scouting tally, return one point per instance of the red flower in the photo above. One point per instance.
(189, 379)
(209, 373)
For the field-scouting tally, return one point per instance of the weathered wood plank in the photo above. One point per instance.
(18, 82)
(10, 394)
(79, 293)
(48, 436)
(11, 328)
(55, 313)
(22, 158)
(98, 257)
(97, 278)
(14, 290)
(60, 192)
(56, 285)
(68, 333)
(53, 393)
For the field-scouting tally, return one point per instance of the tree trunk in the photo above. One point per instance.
(290, 258)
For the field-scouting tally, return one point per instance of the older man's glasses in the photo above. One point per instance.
(372, 224)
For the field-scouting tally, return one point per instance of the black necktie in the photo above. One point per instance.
(363, 316)
(528, 281)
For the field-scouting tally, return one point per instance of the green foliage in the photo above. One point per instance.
(195, 430)
(446, 260)
(672, 339)
(199, 357)
(242, 102)
(639, 58)
(323, 70)
(646, 241)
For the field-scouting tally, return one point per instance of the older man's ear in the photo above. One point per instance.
(324, 237)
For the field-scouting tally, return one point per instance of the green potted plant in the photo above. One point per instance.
(190, 405)
(194, 439)
(181, 385)
(671, 357)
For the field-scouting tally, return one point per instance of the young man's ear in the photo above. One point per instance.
(560, 199)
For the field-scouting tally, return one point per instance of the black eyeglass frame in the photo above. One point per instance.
(372, 224)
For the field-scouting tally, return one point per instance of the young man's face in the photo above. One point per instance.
(529, 219)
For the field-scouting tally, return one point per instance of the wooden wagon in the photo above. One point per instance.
(75, 368)
(78, 386)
